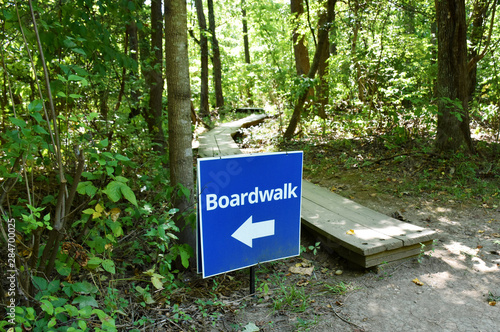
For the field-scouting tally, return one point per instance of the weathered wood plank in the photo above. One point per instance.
(334, 227)
(219, 141)
(408, 233)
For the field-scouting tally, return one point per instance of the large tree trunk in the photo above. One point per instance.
(217, 66)
(322, 41)
(154, 113)
(452, 80)
(179, 113)
(202, 23)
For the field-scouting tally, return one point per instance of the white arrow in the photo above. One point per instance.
(248, 231)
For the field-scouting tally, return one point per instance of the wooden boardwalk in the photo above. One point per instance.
(359, 234)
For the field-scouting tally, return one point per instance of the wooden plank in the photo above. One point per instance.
(384, 256)
(408, 233)
(334, 227)
(219, 141)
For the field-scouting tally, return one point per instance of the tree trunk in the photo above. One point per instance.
(300, 52)
(322, 40)
(179, 113)
(202, 23)
(326, 20)
(134, 54)
(217, 66)
(452, 80)
(154, 113)
(356, 8)
(246, 47)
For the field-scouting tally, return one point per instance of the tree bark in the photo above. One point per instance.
(452, 80)
(154, 79)
(246, 47)
(217, 66)
(322, 40)
(179, 113)
(202, 23)
(300, 52)
(134, 54)
(326, 20)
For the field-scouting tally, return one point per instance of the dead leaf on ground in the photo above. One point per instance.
(301, 270)
(417, 282)
(350, 232)
(303, 283)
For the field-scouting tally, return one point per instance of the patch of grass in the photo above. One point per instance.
(339, 288)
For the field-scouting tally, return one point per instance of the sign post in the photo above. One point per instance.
(249, 210)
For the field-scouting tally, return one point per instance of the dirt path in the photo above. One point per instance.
(457, 278)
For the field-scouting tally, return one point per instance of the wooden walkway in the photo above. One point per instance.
(359, 234)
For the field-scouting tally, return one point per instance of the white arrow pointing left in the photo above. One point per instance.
(249, 231)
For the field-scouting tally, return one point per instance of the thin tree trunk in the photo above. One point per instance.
(325, 20)
(134, 54)
(452, 80)
(204, 106)
(179, 113)
(154, 113)
(246, 47)
(217, 66)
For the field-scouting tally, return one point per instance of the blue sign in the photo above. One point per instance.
(249, 210)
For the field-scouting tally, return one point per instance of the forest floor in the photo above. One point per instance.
(453, 287)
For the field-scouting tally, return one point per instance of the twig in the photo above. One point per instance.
(345, 320)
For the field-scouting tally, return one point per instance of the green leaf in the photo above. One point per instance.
(75, 96)
(79, 51)
(52, 322)
(37, 116)
(35, 106)
(40, 130)
(47, 306)
(84, 287)
(62, 268)
(94, 262)
(18, 122)
(88, 211)
(128, 194)
(109, 266)
(40, 283)
(121, 157)
(75, 78)
(85, 301)
(61, 94)
(113, 191)
(104, 143)
(82, 325)
(71, 310)
(185, 258)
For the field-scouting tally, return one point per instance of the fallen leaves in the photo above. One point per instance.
(304, 268)
(417, 282)
(350, 232)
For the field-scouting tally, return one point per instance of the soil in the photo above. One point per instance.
(460, 279)
(454, 286)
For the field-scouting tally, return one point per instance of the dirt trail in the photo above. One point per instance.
(458, 276)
